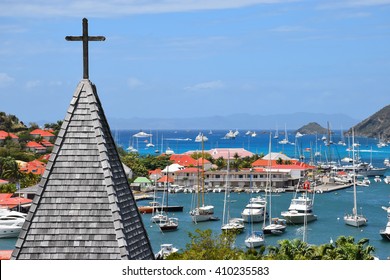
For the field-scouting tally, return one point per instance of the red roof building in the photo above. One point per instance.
(36, 167)
(46, 143)
(7, 200)
(4, 135)
(42, 133)
(184, 160)
(166, 179)
(35, 147)
(154, 175)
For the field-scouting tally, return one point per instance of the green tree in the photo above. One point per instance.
(10, 170)
(133, 161)
(236, 162)
(220, 162)
(206, 246)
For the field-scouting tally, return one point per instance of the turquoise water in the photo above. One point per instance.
(329, 207)
(179, 143)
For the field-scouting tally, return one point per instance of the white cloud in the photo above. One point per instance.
(56, 83)
(134, 83)
(5, 79)
(287, 28)
(353, 3)
(109, 8)
(206, 86)
(33, 84)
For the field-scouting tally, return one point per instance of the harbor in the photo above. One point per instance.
(329, 206)
(332, 200)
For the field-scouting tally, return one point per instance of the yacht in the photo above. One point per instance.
(230, 135)
(385, 233)
(169, 151)
(201, 138)
(300, 210)
(165, 251)
(11, 223)
(254, 211)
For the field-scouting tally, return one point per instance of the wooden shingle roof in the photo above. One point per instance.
(84, 208)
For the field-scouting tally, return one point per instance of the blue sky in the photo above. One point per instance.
(188, 58)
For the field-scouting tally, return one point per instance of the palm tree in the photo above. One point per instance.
(10, 170)
(220, 162)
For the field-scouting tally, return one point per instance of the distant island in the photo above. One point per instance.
(312, 128)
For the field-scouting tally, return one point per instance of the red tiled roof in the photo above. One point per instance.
(46, 143)
(157, 171)
(263, 162)
(165, 179)
(187, 160)
(184, 160)
(35, 145)
(3, 181)
(36, 167)
(42, 133)
(199, 161)
(7, 200)
(4, 134)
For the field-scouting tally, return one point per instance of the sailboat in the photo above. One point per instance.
(235, 225)
(276, 225)
(255, 238)
(150, 144)
(354, 219)
(285, 140)
(158, 216)
(131, 148)
(168, 224)
(276, 133)
(202, 212)
(201, 137)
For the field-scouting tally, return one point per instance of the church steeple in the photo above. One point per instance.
(84, 208)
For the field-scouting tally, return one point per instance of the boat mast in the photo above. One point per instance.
(202, 171)
(227, 191)
(269, 183)
(354, 210)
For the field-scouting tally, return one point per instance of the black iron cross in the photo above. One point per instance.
(85, 38)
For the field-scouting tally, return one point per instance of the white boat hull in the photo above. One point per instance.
(298, 218)
(9, 231)
(254, 240)
(201, 218)
(355, 221)
(256, 218)
(385, 235)
(274, 229)
(234, 225)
